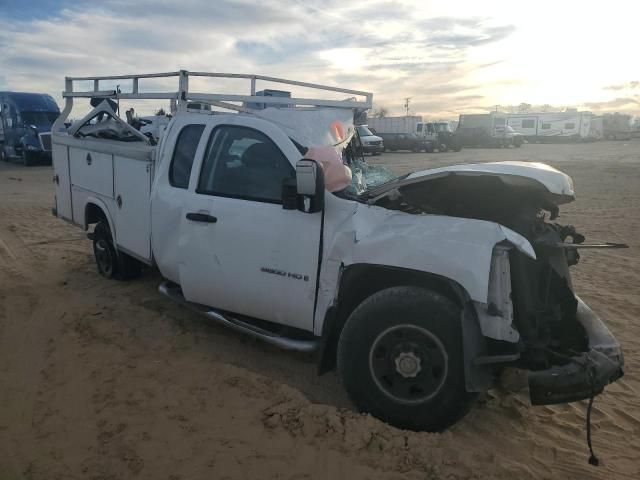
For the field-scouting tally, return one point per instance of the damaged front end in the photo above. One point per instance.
(570, 353)
(532, 318)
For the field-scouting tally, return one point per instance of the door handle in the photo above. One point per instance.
(201, 217)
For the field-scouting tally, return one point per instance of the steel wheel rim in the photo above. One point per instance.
(403, 346)
(103, 256)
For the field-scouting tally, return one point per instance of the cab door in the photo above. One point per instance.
(240, 250)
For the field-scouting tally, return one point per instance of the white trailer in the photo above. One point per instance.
(552, 127)
(410, 124)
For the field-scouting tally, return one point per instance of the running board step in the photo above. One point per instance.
(174, 292)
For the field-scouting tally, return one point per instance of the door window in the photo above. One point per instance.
(244, 163)
(183, 154)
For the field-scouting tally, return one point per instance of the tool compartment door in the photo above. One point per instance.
(91, 170)
(132, 181)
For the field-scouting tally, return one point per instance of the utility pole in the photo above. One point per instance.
(406, 105)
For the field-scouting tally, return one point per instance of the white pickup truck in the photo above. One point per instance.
(420, 289)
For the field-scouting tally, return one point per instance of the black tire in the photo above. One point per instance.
(110, 263)
(403, 326)
(3, 155)
(27, 158)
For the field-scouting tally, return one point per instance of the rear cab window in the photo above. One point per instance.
(183, 155)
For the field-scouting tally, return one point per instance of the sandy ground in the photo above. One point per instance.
(108, 380)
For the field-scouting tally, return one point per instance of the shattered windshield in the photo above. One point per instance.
(365, 177)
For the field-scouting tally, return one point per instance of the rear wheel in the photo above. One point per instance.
(400, 358)
(110, 263)
(3, 155)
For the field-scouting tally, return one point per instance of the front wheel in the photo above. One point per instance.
(27, 158)
(400, 358)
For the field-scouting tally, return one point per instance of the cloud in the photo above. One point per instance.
(416, 67)
(453, 32)
(624, 86)
(381, 46)
(617, 103)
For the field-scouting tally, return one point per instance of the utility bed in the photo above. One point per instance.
(118, 175)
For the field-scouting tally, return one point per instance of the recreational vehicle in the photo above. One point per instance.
(552, 126)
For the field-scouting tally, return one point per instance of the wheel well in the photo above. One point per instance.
(94, 214)
(358, 282)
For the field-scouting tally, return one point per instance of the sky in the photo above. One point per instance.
(448, 57)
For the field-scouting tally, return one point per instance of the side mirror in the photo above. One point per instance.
(306, 193)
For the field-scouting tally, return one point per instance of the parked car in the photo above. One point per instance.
(371, 143)
(406, 141)
(25, 126)
(419, 289)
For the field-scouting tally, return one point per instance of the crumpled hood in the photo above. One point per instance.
(551, 184)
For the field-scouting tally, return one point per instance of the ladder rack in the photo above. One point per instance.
(183, 93)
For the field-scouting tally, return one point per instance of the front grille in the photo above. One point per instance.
(45, 141)
(379, 142)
